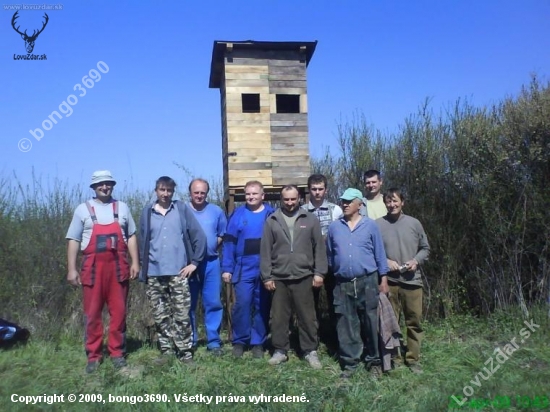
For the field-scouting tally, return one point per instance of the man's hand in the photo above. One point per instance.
(226, 276)
(187, 271)
(73, 277)
(134, 271)
(412, 265)
(393, 265)
(270, 285)
(317, 281)
(383, 287)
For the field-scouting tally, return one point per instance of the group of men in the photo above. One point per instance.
(276, 260)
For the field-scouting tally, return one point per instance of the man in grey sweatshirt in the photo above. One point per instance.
(406, 247)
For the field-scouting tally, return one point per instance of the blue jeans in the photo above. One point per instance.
(207, 280)
(356, 308)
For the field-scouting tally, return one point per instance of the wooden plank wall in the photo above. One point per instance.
(289, 131)
(248, 134)
(270, 147)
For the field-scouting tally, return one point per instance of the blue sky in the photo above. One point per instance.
(153, 108)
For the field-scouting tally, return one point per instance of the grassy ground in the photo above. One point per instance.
(454, 351)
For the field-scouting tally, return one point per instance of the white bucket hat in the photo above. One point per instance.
(102, 176)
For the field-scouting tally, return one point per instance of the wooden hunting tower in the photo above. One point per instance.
(263, 93)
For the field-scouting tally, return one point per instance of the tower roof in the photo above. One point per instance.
(220, 46)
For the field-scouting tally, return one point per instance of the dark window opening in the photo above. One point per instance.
(251, 103)
(288, 103)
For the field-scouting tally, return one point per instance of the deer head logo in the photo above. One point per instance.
(29, 40)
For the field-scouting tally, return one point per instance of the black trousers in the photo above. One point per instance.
(356, 307)
(297, 294)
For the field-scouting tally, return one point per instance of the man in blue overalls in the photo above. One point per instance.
(207, 281)
(241, 267)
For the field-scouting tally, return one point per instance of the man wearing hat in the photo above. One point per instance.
(356, 255)
(104, 230)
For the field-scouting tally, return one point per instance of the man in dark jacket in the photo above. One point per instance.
(293, 261)
(172, 245)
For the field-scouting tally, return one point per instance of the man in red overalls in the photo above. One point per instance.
(104, 230)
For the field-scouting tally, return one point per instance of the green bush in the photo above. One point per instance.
(477, 180)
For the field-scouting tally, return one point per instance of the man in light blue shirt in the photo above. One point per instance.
(357, 257)
(172, 246)
(208, 279)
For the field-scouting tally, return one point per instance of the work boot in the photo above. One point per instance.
(163, 359)
(216, 352)
(415, 368)
(376, 371)
(238, 350)
(397, 363)
(119, 362)
(92, 366)
(257, 351)
(277, 358)
(313, 360)
(187, 359)
(347, 373)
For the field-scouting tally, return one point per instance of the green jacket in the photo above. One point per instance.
(281, 259)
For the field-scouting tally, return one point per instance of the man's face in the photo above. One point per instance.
(103, 190)
(290, 200)
(318, 191)
(254, 196)
(164, 193)
(373, 185)
(350, 207)
(394, 204)
(199, 190)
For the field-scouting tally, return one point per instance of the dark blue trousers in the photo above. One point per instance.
(250, 312)
(207, 281)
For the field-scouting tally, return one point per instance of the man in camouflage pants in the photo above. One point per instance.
(172, 244)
